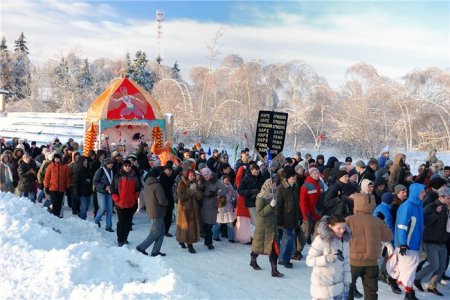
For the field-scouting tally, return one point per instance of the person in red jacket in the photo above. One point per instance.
(56, 182)
(309, 195)
(125, 191)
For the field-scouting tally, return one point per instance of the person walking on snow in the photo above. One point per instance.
(155, 205)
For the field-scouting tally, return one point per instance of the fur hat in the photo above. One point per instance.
(115, 154)
(206, 172)
(56, 155)
(444, 191)
(201, 166)
(387, 198)
(20, 146)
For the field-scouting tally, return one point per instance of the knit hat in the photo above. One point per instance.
(106, 161)
(387, 198)
(187, 165)
(298, 167)
(437, 183)
(274, 164)
(312, 170)
(56, 155)
(348, 159)
(398, 188)
(360, 164)
(206, 172)
(341, 173)
(115, 154)
(20, 146)
(352, 172)
(289, 172)
(127, 162)
(298, 153)
(349, 189)
(153, 172)
(201, 166)
(444, 191)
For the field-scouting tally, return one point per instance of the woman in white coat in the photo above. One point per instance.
(329, 257)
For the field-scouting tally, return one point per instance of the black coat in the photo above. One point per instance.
(249, 188)
(167, 183)
(435, 224)
(82, 181)
(213, 163)
(288, 208)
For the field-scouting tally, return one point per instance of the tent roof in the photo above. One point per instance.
(124, 100)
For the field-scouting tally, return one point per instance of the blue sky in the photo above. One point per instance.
(331, 36)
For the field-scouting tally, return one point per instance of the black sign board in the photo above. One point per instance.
(270, 132)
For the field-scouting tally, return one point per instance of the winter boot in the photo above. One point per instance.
(275, 272)
(418, 285)
(191, 249)
(393, 284)
(183, 245)
(411, 295)
(354, 291)
(253, 262)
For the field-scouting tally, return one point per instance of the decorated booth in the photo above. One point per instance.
(122, 117)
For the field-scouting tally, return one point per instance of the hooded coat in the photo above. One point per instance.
(367, 233)
(328, 279)
(6, 176)
(398, 171)
(188, 226)
(266, 221)
(410, 223)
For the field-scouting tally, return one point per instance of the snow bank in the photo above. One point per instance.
(44, 257)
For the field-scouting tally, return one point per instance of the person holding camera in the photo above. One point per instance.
(368, 232)
(329, 258)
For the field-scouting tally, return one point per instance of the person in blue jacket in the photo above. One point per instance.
(408, 237)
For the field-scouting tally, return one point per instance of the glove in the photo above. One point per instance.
(273, 203)
(403, 249)
(339, 255)
(47, 191)
(380, 216)
(427, 164)
(193, 186)
(212, 194)
(330, 258)
(384, 252)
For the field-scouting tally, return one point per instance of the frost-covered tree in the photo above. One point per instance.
(21, 44)
(175, 71)
(85, 80)
(5, 66)
(139, 73)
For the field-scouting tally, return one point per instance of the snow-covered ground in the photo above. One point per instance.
(44, 257)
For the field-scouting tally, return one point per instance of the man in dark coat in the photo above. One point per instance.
(288, 214)
(249, 188)
(167, 180)
(213, 162)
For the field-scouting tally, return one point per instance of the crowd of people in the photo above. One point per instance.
(375, 221)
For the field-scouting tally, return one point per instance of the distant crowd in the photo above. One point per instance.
(373, 219)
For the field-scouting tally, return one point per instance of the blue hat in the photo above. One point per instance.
(387, 198)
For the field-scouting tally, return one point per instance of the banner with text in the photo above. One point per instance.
(270, 132)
